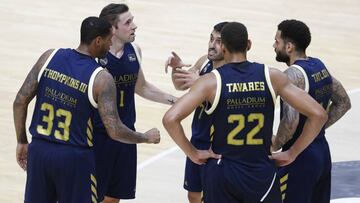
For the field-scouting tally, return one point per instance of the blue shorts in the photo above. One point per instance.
(193, 172)
(234, 183)
(59, 173)
(115, 168)
(308, 178)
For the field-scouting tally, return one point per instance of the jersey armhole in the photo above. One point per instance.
(268, 81)
(217, 94)
(204, 65)
(91, 88)
(305, 76)
(46, 64)
(137, 53)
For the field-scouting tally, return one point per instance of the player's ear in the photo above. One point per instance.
(248, 45)
(222, 47)
(289, 47)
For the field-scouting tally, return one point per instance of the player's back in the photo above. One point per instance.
(318, 83)
(243, 113)
(64, 102)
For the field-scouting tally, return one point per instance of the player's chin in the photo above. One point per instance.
(132, 38)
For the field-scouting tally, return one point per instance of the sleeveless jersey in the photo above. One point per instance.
(243, 113)
(201, 122)
(125, 72)
(64, 105)
(318, 83)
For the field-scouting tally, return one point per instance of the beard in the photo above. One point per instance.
(281, 57)
(213, 55)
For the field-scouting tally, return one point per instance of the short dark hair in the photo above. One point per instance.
(234, 36)
(93, 27)
(218, 27)
(296, 32)
(111, 12)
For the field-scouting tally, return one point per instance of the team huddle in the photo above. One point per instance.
(83, 146)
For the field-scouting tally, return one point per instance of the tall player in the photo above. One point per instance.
(310, 173)
(242, 95)
(69, 85)
(116, 162)
(201, 124)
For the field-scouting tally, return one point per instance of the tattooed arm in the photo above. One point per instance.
(340, 103)
(105, 95)
(23, 98)
(290, 119)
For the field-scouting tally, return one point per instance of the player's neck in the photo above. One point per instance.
(297, 56)
(83, 49)
(217, 64)
(235, 58)
(117, 47)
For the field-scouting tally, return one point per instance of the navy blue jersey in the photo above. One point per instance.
(318, 83)
(201, 122)
(125, 72)
(243, 113)
(64, 101)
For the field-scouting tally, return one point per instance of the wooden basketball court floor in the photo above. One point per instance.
(28, 28)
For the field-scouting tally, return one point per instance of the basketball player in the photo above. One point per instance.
(201, 124)
(310, 173)
(69, 85)
(242, 95)
(116, 162)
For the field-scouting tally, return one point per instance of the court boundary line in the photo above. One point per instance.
(165, 153)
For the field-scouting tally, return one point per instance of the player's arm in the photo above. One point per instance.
(149, 91)
(23, 98)
(340, 103)
(303, 103)
(201, 91)
(290, 117)
(105, 94)
(184, 79)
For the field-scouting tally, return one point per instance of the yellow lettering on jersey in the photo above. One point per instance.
(320, 75)
(65, 79)
(246, 87)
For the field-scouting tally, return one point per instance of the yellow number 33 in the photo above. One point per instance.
(49, 120)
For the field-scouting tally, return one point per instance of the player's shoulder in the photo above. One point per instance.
(200, 62)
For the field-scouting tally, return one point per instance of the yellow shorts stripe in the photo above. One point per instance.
(93, 179)
(284, 178)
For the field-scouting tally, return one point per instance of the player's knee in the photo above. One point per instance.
(194, 197)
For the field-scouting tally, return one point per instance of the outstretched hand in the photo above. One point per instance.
(185, 77)
(175, 61)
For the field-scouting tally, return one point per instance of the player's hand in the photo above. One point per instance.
(174, 62)
(21, 155)
(153, 136)
(185, 77)
(201, 156)
(283, 158)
